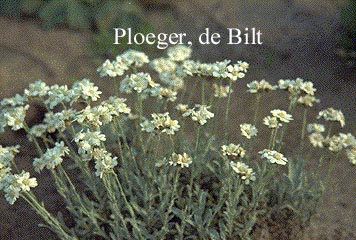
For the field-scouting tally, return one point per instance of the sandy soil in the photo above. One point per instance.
(300, 40)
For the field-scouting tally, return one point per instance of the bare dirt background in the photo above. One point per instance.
(300, 40)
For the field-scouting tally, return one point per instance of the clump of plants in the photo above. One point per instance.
(94, 16)
(161, 166)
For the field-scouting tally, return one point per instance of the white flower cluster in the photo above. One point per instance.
(37, 89)
(94, 117)
(164, 93)
(302, 91)
(332, 115)
(297, 86)
(199, 113)
(218, 69)
(123, 62)
(160, 123)
(58, 94)
(7, 154)
(86, 90)
(14, 184)
(233, 151)
(17, 100)
(278, 117)
(315, 127)
(13, 117)
(248, 130)
(260, 86)
(161, 65)
(308, 100)
(104, 162)
(170, 70)
(179, 53)
(11, 184)
(134, 58)
(174, 80)
(180, 159)
(139, 82)
(335, 143)
(282, 115)
(244, 171)
(58, 121)
(273, 156)
(182, 108)
(55, 95)
(317, 139)
(87, 141)
(51, 158)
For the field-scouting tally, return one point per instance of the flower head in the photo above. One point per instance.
(134, 58)
(25, 182)
(14, 184)
(248, 130)
(15, 117)
(271, 122)
(180, 159)
(261, 86)
(244, 171)
(182, 108)
(138, 82)
(162, 65)
(199, 113)
(161, 123)
(233, 151)
(273, 156)
(165, 93)
(317, 139)
(56, 95)
(332, 115)
(114, 68)
(307, 100)
(37, 89)
(7, 155)
(297, 87)
(348, 140)
(104, 162)
(282, 115)
(234, 72)
(17, 100)
(52, 157)
(179, 53)
(334, 143)
(315, 127)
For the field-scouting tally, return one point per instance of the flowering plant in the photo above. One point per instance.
(138, 173)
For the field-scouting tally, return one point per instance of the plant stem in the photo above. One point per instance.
(203, 92)
(304, 124)
(197, 140)
(171, 204)
(302, 136)
(271, 138)
(227, 115)
(49, 219)
(140, 112)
